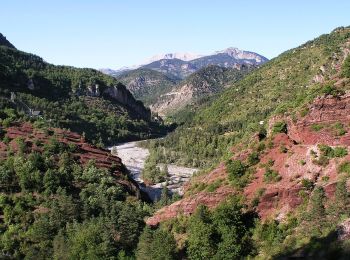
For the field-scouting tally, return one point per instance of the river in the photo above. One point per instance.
(134, 157)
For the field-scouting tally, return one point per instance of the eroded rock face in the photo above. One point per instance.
(295, 162)
(174, 100)
(324, 111)
(124, 97)
(84, 152)
(204, 83)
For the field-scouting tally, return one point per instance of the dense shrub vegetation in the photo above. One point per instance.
(231, 231)
(51, 206)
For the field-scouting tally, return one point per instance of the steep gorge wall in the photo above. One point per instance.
(123, 96)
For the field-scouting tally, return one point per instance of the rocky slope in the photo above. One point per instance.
(173, 68)
(185, 56)
(123, 96)
(229, 58)
(156, 79)
(296, 162)
(203, 83)
(146, 84)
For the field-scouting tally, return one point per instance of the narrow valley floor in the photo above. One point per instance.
(134, 158)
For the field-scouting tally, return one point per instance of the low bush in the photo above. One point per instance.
(346, 67)
(307, 184)
(339, 129)
(340, 152)
(271, 176)
(316, 127)
(280, 127)
(344, 167)
(321, 161)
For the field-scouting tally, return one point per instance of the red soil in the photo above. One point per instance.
(293, 165)
(84, 152)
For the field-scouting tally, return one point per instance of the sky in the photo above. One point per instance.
(116, 33)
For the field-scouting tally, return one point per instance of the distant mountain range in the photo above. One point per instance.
(181, 65)
(171, 81)
(185, 56)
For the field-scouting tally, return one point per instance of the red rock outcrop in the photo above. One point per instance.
(84, 152)
(324, 111)
(293, 163)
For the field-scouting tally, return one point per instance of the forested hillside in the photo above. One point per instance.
(272, 145)
(282, 190)
(283, 84)
(83, 100)
(62, 197)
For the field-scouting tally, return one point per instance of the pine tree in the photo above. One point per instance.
(341, 202)
(316, 215)
(164, 197)
(201, 233)
(144, 245)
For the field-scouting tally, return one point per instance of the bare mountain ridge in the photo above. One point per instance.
(181, 65)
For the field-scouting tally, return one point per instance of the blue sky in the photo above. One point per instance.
(107, 33)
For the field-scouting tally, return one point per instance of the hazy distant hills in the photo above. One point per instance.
(185, 56)
(169, 82)
(173, 68)
(181, 65)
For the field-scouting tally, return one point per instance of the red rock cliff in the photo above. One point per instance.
(327, 122)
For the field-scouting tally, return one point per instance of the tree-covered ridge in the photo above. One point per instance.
(18, 67)
(5, 42)
(283, 84)
(74, 98)
(58, 202)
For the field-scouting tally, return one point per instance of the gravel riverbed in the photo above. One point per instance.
(134, 158)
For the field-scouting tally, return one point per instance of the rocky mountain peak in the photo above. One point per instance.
(241, 54)
(185, 56)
